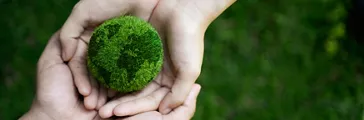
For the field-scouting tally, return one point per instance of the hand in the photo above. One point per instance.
(77, 30)
(184, 112)
(181, 25)
(56, 96)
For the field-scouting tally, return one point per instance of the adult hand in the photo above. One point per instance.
(183, 112)
(181, 25)
(86, 15)
(56, 96)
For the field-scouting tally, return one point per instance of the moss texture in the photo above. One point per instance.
(125, 54)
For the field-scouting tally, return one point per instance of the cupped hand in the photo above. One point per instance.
(180, 23)
(77, 31)
(56, 95)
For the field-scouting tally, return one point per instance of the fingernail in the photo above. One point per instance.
(166, 111)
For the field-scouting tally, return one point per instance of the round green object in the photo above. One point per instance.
(125, 54)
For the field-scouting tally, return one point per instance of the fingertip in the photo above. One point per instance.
(91, 100)
(172, 101)
(68, 49)
(105, 112)
(84, 91)
(89, 103)
(165, 111)
(169, 103)
(180, 90)
(194, 92)
(68, 43)
(198, 88)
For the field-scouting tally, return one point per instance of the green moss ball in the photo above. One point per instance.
(125, 54)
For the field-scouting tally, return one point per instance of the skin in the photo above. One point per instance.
(180, 23)
(183, 112)
(57, 98)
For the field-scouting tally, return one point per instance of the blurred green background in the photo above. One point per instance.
(264, 60)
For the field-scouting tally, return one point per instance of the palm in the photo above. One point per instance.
(94, 12)
(166, 76)
(182, 57)
(181, 25)
(176, 56)
(145, 100)
(56, 92)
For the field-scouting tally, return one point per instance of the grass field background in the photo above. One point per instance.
(264, 60)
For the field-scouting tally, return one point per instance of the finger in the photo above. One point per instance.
(94, 12)
(185, 45)
(181, 87)
(71, 30)
(153, 115)
(102, 97)
(190, 102)
(106, 111)
(79, 69)
(153, 86)
(144, 104)
(187, 110)
(92, 100)
(178, 94)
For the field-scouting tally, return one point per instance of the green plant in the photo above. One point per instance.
(125, 54)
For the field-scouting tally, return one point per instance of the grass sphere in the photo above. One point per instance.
(125, 54)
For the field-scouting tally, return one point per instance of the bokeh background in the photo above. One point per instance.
(264, 59)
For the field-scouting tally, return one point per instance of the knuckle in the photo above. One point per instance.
(192, 72)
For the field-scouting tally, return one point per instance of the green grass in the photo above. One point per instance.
(264, 60)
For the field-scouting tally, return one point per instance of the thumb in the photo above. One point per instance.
(187, 110)
(87, 14)
(72, 29)
(185, 40)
